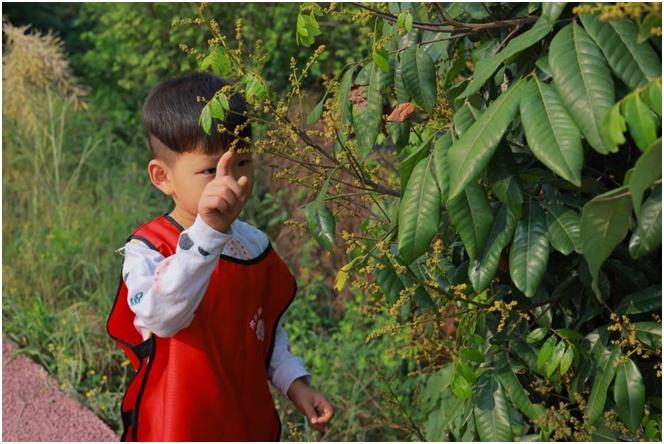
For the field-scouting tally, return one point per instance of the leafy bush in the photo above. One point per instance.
(511, 198)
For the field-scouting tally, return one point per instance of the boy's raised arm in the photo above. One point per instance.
(165, 292)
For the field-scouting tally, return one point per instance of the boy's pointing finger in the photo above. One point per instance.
(223, 167)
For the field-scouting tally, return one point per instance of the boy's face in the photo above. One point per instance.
(191, 172)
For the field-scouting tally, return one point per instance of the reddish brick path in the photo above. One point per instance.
(34, 409)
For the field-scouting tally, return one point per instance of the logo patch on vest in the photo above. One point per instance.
(136, 299)
(257, 324)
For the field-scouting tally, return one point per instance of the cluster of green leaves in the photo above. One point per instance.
(307, 25)
(544, 187)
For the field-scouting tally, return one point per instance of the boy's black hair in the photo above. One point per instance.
(171, 115)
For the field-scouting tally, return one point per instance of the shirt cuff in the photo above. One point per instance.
(205, 237)
(284, 376)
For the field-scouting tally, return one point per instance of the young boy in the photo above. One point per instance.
(202, 296)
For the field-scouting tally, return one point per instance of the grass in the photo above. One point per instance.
(65, 212)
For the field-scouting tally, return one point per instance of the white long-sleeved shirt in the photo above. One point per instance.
(164, 292)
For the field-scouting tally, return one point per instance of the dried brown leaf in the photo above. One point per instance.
(401, 112)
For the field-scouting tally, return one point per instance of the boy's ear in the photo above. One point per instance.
(160, 175)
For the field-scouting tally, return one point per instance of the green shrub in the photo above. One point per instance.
(514, 187)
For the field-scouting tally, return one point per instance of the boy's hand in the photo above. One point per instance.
(312, 404)
(223, 198)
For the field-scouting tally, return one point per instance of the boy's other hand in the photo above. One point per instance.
(312, 404)
(222, 199)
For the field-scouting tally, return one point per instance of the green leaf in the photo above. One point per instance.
(482, 270)
(390, 283)
(635, 64)
(408, 22)
(551, 133)
(613, 127)
(652, 95)
(650, 333)
(543, 64)
(564, 225)
(643, 301)
(567, 360)
(419, 77)
(473, 151)
(343, 111)
(471, 354)
(223, 101)
(486, 67)
(647, 24)
(629, 394)
(408, 165)
(465, 117)
(461, 387)
(647, 170)
(382, 59)
(471, 215)
(556, 358)
(307, 27)
(399, 133)
(368, 119)
(320, 219)
(546, 351)
(529, 253)
(440, 150)
(526, 354)
(552, 10)
(515, 391)
(419, 212)
(402, 18)
(462, 378)
(448, 412)
(536, 335)
(216, 109)
(492, 411)
(582, 78)
(316, 113)
(648, 235)
(254, 88)
(205, 120)
(342, 274)
(465, 371)
(399, 88)
(605, 371)
(640, 121)
(605, 221)
(572, 336)
(321, 224)
(393, 284)
(504, 180)
(219, 61)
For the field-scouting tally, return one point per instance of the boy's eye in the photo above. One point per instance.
(210, 171)
(244, 162)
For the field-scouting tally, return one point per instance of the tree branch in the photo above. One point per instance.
(456, 26)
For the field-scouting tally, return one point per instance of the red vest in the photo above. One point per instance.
(208, 382)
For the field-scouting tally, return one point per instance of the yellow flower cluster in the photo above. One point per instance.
(387, 330)
(504, 309)
(629, 340)
(621, 11)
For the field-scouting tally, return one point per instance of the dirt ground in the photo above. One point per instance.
(35, 409)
